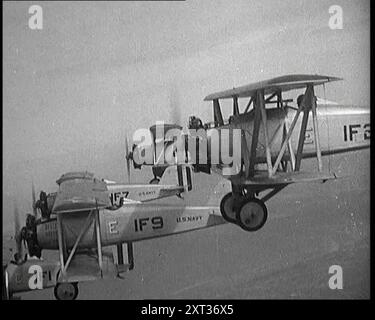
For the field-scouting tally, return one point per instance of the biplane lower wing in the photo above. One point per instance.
(262, 180)
(84, 267)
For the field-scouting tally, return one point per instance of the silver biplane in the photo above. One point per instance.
(274, 140)
(276, 136)
(87, 216)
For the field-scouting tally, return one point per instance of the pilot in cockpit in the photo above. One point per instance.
(195, 123)
(45, 204)
(300, 99)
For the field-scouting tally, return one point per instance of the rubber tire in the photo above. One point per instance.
(258, 226)
(222, 209)
(75, 286)
(5, 294)
(154, 181)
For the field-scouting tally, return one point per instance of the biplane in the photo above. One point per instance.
(93, 224)
(276, 135)
(274, 140)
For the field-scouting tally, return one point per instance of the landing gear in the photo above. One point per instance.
(252, 214)
(155, 181)
(5, 294)
(66, 291)
(227, 208)
(245, 210)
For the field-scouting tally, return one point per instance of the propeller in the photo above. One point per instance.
(174, 106)
(35, 212)
(17, 235)
(128, 157)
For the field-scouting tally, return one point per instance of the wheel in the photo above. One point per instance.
(154, 181)
(226, 208)
(66, 291)
(5, 295)
(252, 214)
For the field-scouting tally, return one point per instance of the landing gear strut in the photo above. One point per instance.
(66, 291)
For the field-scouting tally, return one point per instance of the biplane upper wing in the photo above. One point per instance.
(284, 83)
(80, 192)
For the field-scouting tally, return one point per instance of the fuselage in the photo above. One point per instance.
(129, 223)
(341, 129)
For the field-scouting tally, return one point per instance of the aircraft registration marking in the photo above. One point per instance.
(352, 132)
(117, 198)
(155, 222)
(112, 227)
(309, 136)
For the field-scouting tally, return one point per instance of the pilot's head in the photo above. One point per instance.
(195, 123)
(300, 99)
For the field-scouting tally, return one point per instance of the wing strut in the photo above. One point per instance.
(301, 139)
(286, 143)
(235, 106)
(262, 107)
(249, 104)
(254, 140)
(64, 266)
(93, 216)
(309, 103)
(218, 117)
(61, 240)
(99, 241)
(315, 125)
(260, 115)
(290, 147)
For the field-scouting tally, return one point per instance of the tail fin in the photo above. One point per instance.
(177, 174)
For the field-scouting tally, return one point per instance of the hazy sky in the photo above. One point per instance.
(98, 70)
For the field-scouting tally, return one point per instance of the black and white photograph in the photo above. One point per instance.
(186, 150)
